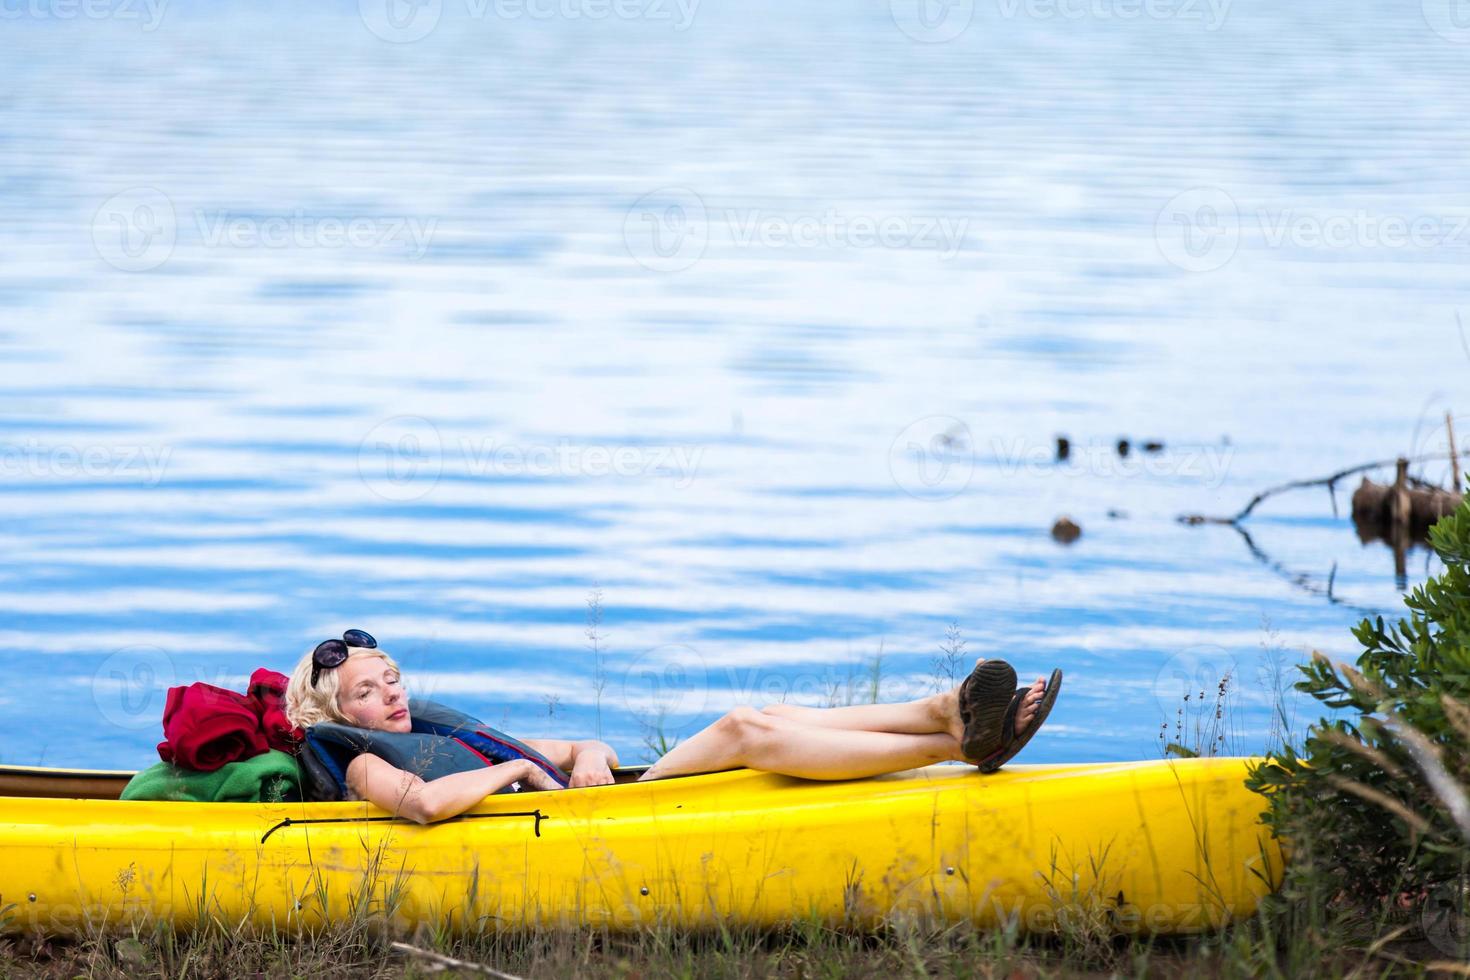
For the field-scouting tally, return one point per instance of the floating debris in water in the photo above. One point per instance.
(1400, 514)
(1066, 530)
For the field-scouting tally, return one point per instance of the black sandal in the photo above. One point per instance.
(1010, 743)
(984, 702)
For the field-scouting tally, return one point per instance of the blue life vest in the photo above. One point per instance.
(443, 741)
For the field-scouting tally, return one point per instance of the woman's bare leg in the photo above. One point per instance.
(936, 713)
(748, 738)
(922, 717)
(823, 743)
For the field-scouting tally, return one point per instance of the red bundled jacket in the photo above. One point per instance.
(205, 726)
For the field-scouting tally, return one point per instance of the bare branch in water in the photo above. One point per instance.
(1330, 482)
(1302, 580)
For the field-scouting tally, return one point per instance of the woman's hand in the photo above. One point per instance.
(591, 769)
(536, 778)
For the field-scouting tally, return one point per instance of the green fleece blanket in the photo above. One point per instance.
(270, 777)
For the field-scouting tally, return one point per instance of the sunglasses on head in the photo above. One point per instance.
(333, 653)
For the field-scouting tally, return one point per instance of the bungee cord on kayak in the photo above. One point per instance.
(299, 822)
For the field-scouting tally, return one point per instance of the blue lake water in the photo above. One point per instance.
(432, 320)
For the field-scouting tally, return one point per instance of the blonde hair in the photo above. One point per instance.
(306, 705)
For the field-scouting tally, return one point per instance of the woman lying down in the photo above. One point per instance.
(363, 742)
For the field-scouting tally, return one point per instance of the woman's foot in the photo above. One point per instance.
(986, 699)
(946, 707)
(1035, 715)
(1027, 710)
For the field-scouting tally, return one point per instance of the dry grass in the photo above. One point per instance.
(803, 950)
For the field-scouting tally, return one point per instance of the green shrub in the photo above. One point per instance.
(1373, 808)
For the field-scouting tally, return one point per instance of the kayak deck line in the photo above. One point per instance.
(57, 783)
(296, 822)
(54, 783)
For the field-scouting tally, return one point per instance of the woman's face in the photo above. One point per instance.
(371, 695)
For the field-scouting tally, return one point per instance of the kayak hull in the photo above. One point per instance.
(1164, 846)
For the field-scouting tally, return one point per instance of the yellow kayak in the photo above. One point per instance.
(1160, 846)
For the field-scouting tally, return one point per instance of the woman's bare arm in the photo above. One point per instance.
(406, 795)
(588, 761)
(564, 752)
